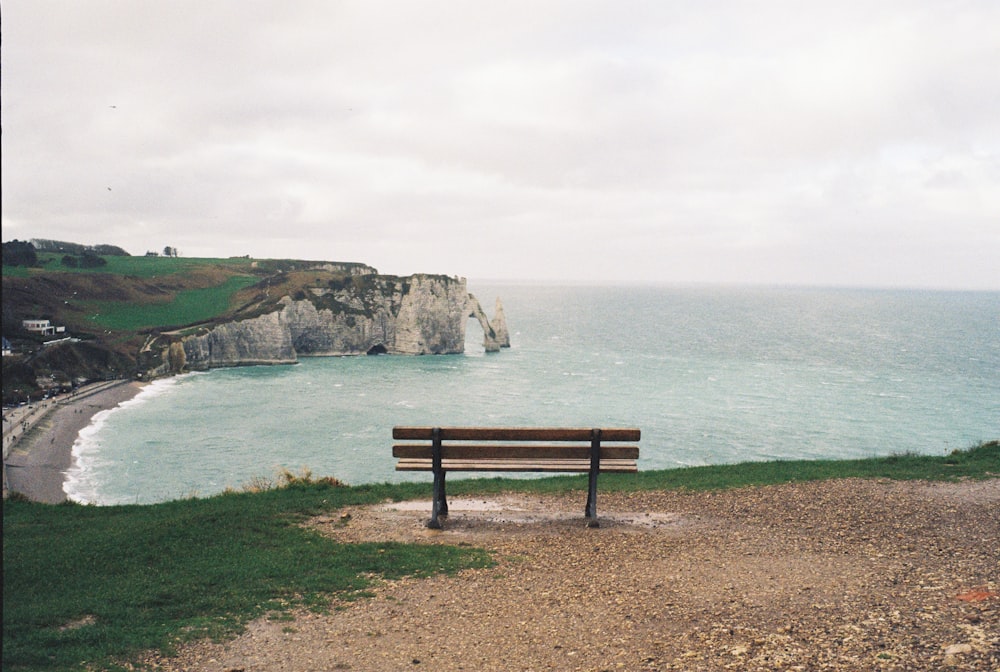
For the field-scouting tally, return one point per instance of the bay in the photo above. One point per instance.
(710, 375)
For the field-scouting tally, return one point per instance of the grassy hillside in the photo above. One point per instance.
(183, 307)
(117, 308)
(130, 294)
(136, 267)
(86, 586)
(77, 297)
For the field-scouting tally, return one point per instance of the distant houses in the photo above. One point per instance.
(43, 327)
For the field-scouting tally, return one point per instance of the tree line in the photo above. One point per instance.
(76, 249)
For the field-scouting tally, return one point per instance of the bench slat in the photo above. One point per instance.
(518, 451)
(515, 433)
(616, 466)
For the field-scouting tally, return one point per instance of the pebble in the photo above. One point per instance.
(779, 577)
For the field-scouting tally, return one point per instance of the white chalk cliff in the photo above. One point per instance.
(372, 314)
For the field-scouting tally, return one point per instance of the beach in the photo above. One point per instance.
(35, 466)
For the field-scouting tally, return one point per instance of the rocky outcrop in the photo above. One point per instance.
(369, 314)
(499, 324)
(495, 334)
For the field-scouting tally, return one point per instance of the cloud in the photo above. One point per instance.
(636, 141)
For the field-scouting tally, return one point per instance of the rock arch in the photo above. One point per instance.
(495, 333)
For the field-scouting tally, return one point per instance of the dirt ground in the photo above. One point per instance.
(839, 575)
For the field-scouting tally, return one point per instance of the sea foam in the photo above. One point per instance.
(82, 482)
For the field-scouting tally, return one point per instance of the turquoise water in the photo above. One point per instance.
(710, 375)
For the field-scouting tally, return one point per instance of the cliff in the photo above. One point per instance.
(143, 317)
(369, 314)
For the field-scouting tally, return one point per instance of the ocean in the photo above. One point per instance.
(709, 374)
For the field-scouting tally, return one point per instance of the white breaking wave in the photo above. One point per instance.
(82, 483)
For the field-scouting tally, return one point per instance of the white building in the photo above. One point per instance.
(43, 327)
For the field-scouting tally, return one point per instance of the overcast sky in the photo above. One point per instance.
(849, 142)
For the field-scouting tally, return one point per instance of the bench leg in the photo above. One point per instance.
(591, 510)
(439, 505)
(443, 510)
(595, 468)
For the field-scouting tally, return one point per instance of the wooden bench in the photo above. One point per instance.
(444, 449)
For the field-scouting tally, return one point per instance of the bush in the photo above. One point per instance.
(91, 260)
(19, 253)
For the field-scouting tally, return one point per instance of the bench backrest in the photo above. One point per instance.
(509, 442)
(515, 433)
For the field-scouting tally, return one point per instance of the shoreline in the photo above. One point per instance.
(36, 467)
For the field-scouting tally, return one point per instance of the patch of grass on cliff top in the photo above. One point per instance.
(143, 266)
(85, 587)
(978, 462)
(186, 307)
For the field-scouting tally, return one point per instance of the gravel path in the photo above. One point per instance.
(838, 575)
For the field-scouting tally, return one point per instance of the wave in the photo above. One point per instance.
(81, 483)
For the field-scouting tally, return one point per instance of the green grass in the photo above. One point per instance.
(132, 578)
(187, 307)
(138, 266)
(14, 271)
(982, 461)
(143, 577)
(142, 266)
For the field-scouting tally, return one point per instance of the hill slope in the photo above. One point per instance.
(111, 311)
